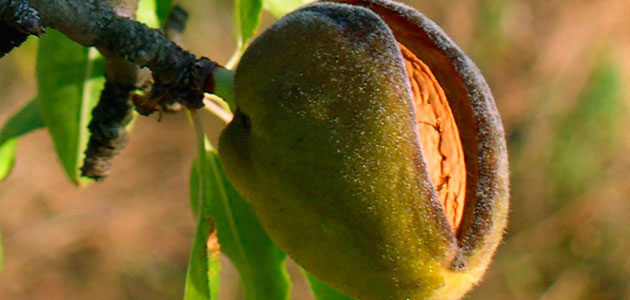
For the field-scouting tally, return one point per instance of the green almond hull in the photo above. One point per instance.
(323, 145)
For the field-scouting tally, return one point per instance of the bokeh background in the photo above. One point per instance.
(559, 71)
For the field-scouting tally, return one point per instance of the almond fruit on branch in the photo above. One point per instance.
(371, 149)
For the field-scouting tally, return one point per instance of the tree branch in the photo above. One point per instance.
(178, 74)
(108, 135)
(109, 26)
(20, 15)
(17, 21)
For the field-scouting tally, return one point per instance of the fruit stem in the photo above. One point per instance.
(223, 85)
(215, 108)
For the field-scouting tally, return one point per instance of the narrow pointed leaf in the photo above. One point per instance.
(70, 78)
(246, 19)
(24, 121)
(260, 263)
(7, 157)
(589, 136)
(163, 8)
(202, 279)
(195, 188)
(153, 12)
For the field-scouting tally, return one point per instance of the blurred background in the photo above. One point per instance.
(559, 71)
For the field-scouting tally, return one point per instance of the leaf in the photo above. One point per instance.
(321, 291)
(153, 13)
(195, 188)
(246, 19)
(203, 269)
(279, 8)
(163, 9)
(586, 140)
(259, 261)
(24, 121)
(261, 264)
(7, 157)
(70, 78)
(202, 279)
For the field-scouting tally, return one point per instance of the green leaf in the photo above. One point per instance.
(261, 264)
(321, 291)
(153, 13)
(279, 8)
(202, 279)
(24, 121)
(246, 19)
(587, 139)
(7, 157)
(163, 9)
(195, 188)
(259, 261)
(70, 78)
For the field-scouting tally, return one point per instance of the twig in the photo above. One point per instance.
(21, 16)
(17, 21)
(177, 73)
(108, 135)
(107, 128)
(173, 28)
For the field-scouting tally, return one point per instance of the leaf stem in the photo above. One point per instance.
(202, 161)
(217, 110)
(224, 85)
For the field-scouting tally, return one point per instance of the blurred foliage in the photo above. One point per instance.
(559, 73)
(564, 248)
(24, 121)
(7, 157)
(587, 137)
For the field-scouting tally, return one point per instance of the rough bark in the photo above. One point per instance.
(108, 135)
(178, 74)
(17, 21)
